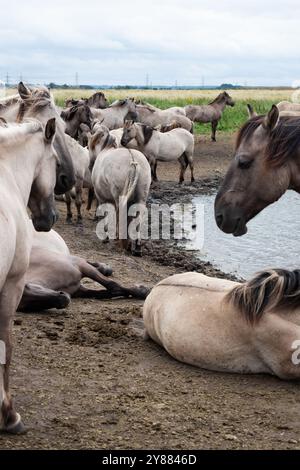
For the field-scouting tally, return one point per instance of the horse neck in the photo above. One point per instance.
(22, 160)
(220, 105)
(10, 112)
(139, 137)
(294, 170)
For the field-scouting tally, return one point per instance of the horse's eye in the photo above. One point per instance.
(244, 164)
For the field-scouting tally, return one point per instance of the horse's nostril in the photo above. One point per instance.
(219, 219)
(64, 181)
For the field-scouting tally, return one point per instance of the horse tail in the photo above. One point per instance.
(130, 183)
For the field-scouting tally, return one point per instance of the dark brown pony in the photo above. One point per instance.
(265, 165)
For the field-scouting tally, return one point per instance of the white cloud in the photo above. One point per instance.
(121, 41)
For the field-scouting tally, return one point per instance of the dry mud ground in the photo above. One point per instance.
(84, 377)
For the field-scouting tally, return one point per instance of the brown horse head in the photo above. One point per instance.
(223, 98)
(75, 116)
(264, 167)
(98, 100)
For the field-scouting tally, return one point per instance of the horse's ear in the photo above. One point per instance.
(251, 112)
(271, 120)
(23, 91)
(50, 129)
(147, 131)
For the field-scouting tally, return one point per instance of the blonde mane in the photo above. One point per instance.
(268, 290)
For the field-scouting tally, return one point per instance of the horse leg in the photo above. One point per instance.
(69, 210)
(36, 298)
(214, 126)
(136, 245)
(91, 197)
(10, 420)
(183, 166)
(78, 200)
(115, 289)
(155, 171)
(103, 268)
(190, 162)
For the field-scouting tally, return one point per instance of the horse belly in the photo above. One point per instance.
(170, 148)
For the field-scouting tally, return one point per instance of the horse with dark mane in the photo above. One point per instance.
(226, 326)
(266, 163)
(211, 112)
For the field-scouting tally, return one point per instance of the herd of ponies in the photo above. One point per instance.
(47, 152)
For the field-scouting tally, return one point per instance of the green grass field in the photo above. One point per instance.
(232, 119)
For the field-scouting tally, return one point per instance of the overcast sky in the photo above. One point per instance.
(120, 42)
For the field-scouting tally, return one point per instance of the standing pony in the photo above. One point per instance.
(211, 112)
(176, 144)
(27, 178)
(122, 178)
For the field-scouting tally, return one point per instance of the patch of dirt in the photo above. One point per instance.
(85, 378)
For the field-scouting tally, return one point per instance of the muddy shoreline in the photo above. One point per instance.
(84, 378)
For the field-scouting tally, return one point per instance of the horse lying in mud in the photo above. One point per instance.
(225, 326)
(37, 103)
(120, 177)
(265, 165)
(177, 144)
(211, 112)
(54, 276)
(154, 117)
(27, 147)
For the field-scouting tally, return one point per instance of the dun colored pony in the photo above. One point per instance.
(225, 326)
(114, 116)
(37, 103)
(265, 165)
(28, 174)
(211, 112)
(176, 144)
(120, 177)
(153, 117)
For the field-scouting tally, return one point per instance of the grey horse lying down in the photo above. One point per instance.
(54, 276)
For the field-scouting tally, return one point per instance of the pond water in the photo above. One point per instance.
(272, 240)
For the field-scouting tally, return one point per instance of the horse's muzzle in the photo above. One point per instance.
(44, 223)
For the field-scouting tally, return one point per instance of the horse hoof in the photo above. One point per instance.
(16, 428)
(105, 269)
(69, 220)
(142, 292)
(137, 252)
